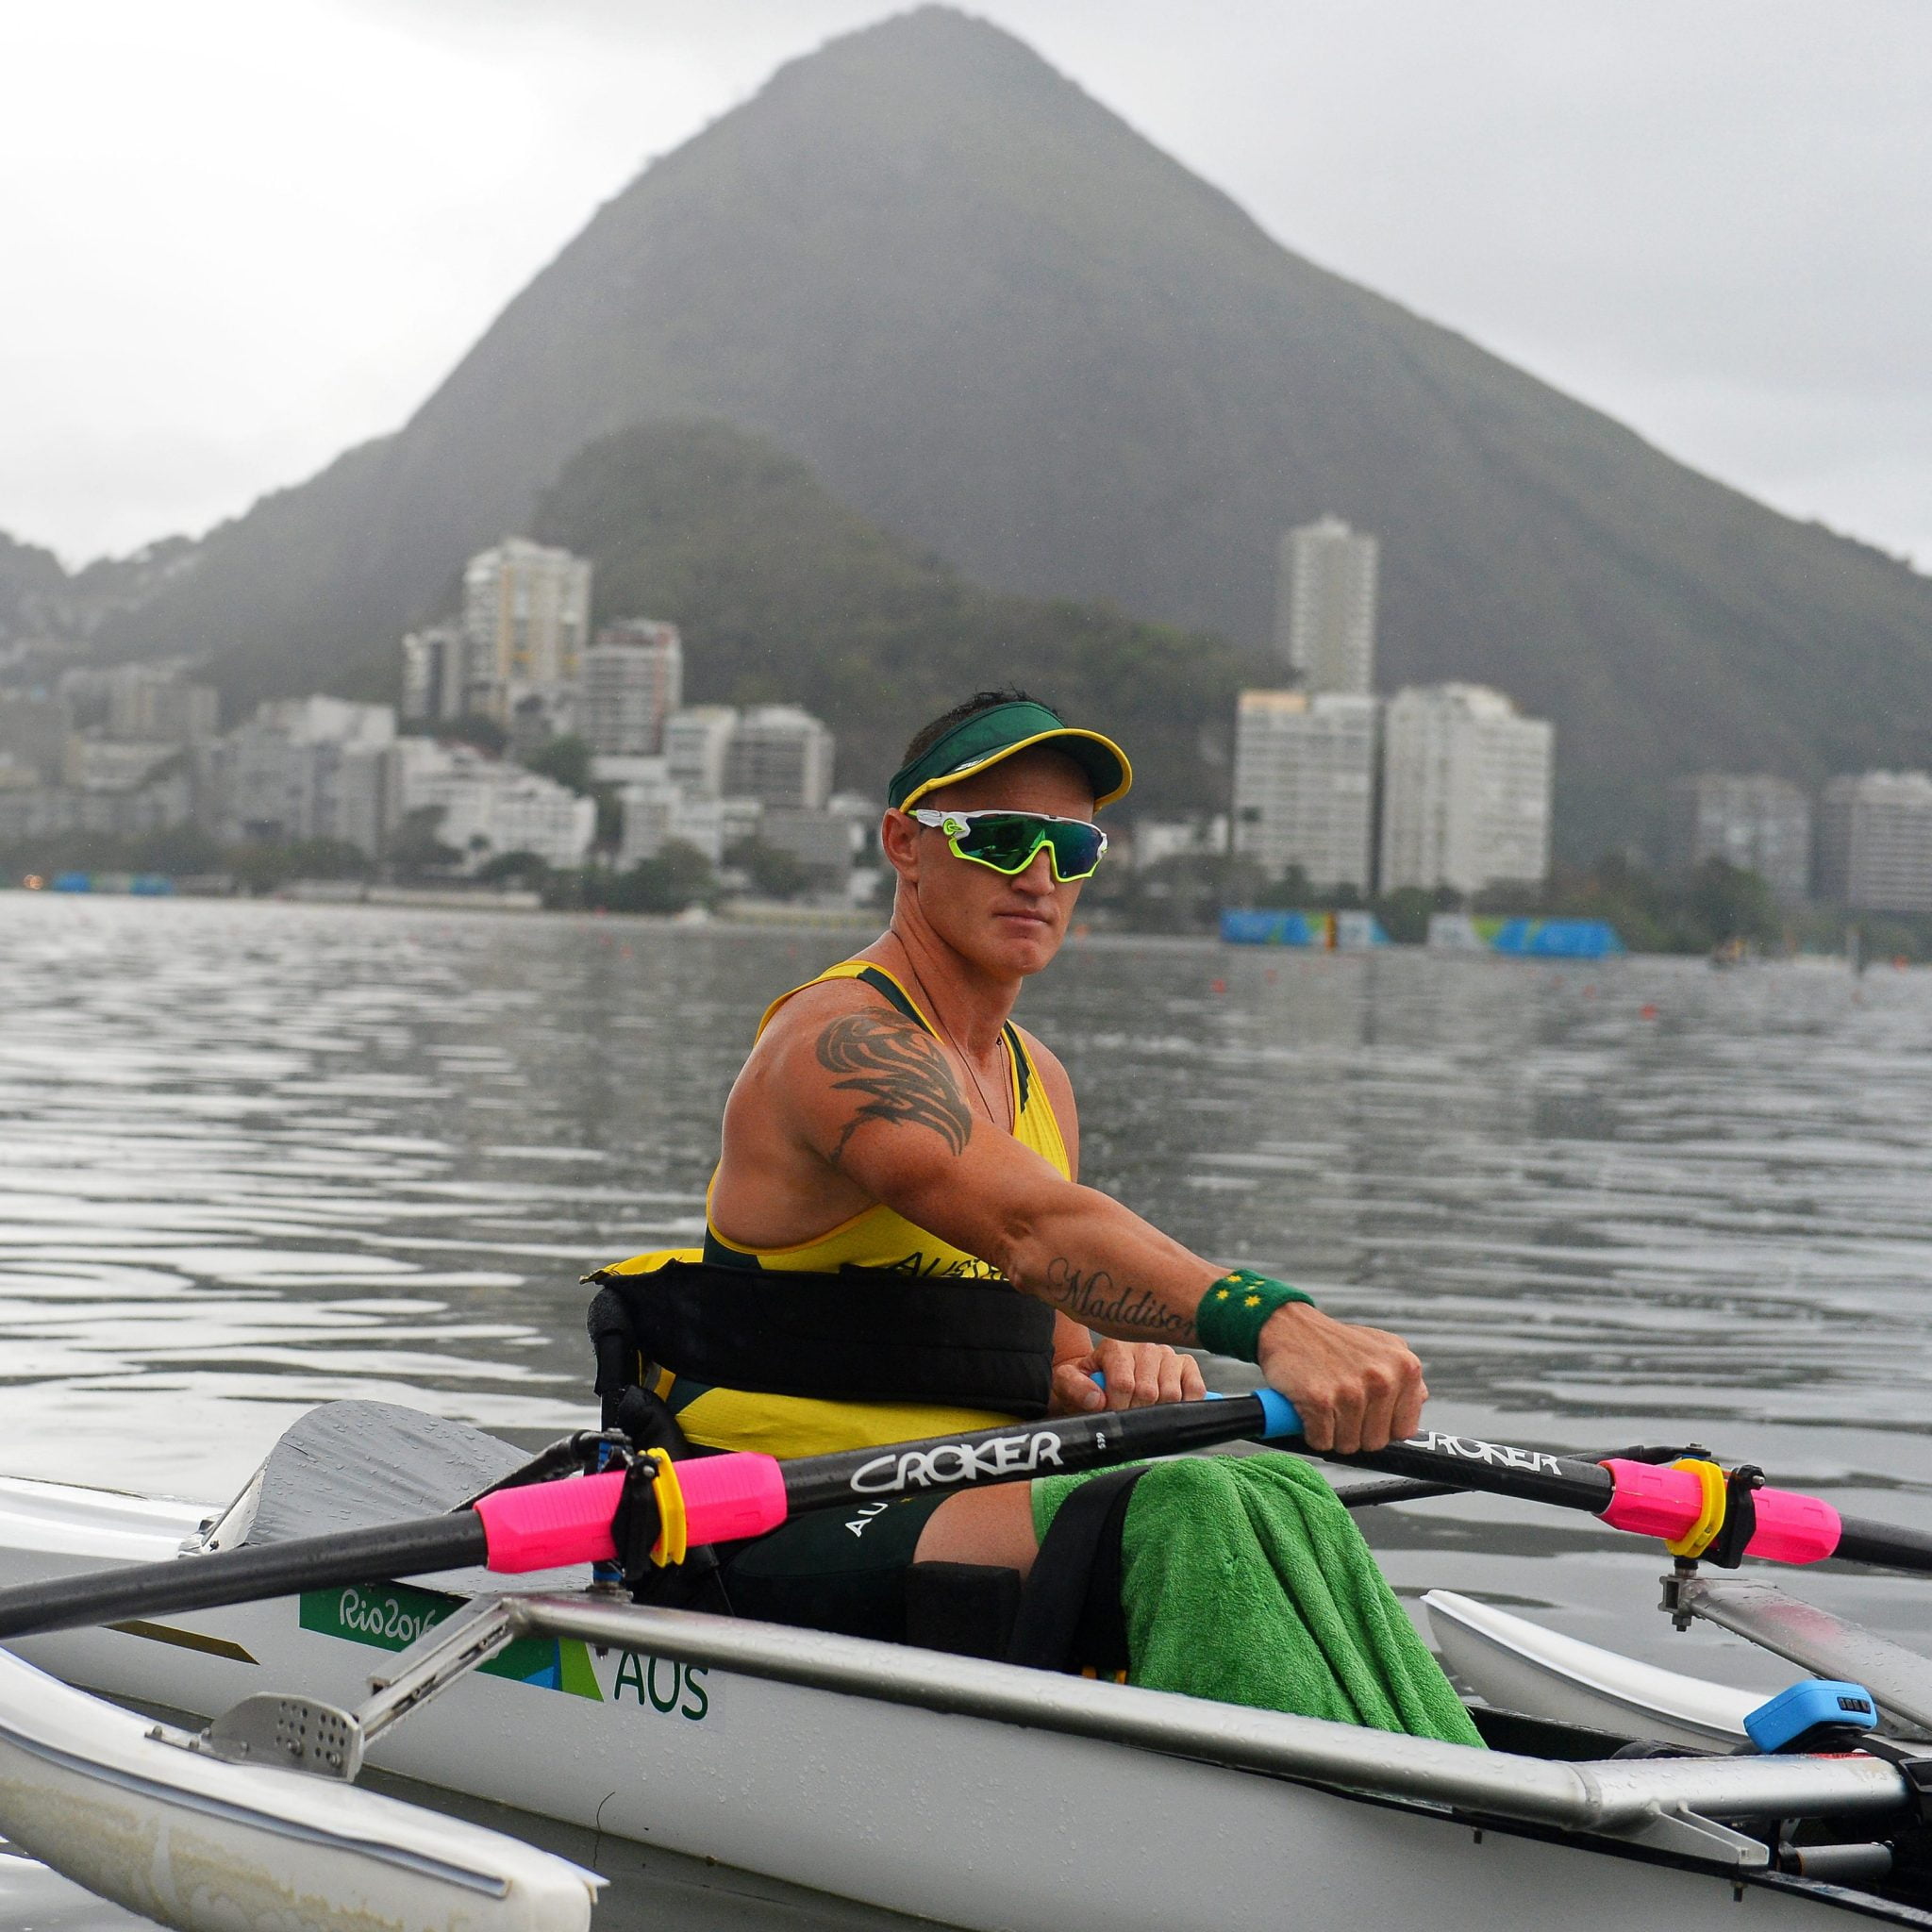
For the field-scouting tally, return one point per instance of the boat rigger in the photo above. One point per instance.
(155, 1820)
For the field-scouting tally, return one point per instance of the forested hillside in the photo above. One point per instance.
(783, 592)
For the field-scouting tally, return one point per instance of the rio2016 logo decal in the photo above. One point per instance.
(390, 1616)
(379, 1616)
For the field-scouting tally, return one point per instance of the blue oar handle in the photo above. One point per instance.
(1278, 1413)
(1282, 1416)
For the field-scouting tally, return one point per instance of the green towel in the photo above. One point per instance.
(1244, 1579)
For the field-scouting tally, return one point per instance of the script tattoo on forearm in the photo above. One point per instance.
(1096, 1299)
(900, 1071)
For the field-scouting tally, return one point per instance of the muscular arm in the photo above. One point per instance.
(874, 1096)
(887, 1114)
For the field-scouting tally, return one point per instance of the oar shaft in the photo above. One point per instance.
(726, 1498)
(202, 1583)
(1468, 1463)
(1069, 1444)
(1062, 1446)
(547, 1526)
(1861, 1541)
(1643, 1498)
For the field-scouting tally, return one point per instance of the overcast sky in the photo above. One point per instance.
(240, 238)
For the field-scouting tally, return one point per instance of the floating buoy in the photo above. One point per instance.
(1217, 986)
(1270, 975)
(1646, 1012)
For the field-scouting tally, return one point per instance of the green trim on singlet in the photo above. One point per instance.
(683, 1391)
(884, 983)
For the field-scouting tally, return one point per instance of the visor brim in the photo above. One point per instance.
(1104, 763)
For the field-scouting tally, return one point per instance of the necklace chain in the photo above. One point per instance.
(965, 1059)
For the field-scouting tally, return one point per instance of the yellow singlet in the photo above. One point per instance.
(876, 1237)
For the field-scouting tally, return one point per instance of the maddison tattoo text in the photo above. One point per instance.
(902, 1073)
(1095, 1299)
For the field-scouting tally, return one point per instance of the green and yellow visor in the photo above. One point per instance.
(987, 737)
(1009, 840)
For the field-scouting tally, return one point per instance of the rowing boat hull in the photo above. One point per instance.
(968, 1820)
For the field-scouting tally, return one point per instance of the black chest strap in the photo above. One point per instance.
(861, 1335)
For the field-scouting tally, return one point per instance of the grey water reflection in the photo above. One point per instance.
(253, 1156)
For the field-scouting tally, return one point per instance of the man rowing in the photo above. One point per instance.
(898, 1245)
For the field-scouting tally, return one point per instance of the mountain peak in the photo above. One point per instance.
(958, 46)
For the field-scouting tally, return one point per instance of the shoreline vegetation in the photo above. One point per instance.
(1716, 907)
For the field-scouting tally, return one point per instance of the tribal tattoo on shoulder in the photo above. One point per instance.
(900, 1070)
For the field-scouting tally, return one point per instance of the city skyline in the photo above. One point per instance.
(1443, 786)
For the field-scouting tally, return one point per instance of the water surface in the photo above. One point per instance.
(254, 1157)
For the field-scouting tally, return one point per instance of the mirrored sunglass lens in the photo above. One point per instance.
(1006, 843)
(1075, 849)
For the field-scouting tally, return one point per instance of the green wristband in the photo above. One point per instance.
(1232, 1311)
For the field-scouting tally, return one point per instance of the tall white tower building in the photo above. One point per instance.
(1757, 822)
(1304, 784)
(1324, 606)
(436, 673)
(526, 619)
(1465, 789)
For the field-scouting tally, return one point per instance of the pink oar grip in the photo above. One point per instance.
(727, 1497)
(1654, 1500)
(549, 1526)
(1793, 1528)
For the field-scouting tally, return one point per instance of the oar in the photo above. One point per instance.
(1398, 1489)
(199, 1583)
(1670, 1503)
(726, 1498)
(552, 1525)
